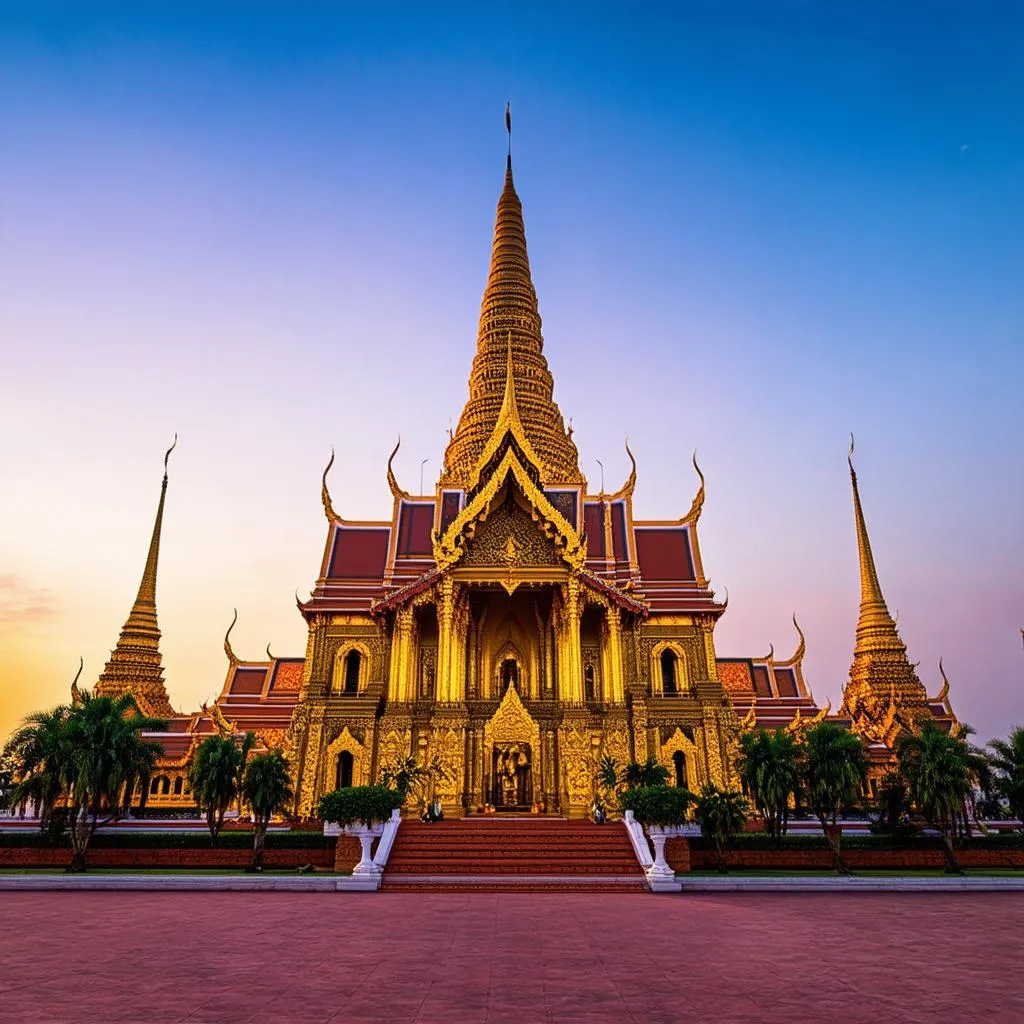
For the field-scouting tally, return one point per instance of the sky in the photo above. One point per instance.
(753, 229)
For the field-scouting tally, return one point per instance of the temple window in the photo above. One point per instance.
(154, 787)
(343, 773)
(165, 785)
(679, 768)
(588, 682)
(509, 674)
(668, 671)
(352, 662)
(178, 783)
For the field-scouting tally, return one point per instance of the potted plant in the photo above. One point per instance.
(662, 812)
(360, 811)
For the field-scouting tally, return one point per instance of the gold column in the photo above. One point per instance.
(445, 616)
(572, 656)
(616, 684)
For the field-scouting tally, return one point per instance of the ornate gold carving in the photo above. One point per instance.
(346, 742)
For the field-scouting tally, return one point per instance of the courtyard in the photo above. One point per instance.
(509, 957)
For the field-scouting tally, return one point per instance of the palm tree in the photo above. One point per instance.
(1007, 760)
(835, 767)
(720, 814)
(267, 787)
(407, 775)
(941, 770)
(108, 760)
(639, 775)
(769, 765)
(215, 777)
(37, 757)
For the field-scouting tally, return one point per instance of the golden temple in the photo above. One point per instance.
(512, 627)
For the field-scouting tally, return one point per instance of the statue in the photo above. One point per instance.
(513, 762)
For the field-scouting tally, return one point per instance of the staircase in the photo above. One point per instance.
(508, 853)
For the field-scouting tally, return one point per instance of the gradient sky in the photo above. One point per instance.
(753, 229)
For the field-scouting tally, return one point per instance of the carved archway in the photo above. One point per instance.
(680, 743)
(346, 742)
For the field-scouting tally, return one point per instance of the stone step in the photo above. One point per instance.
(527, 854)
(503, 883)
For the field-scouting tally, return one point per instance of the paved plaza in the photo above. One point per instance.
(510, 957)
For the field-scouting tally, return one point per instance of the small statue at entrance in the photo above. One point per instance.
(513, 763)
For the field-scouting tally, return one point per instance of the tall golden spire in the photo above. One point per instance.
(882, 680)
(874, 614)
(510, 306)
(135, 664)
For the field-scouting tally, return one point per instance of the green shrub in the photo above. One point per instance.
(359, 803)
(240, 839)
(657, 805)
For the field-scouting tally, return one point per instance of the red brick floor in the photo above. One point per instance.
(510, 957)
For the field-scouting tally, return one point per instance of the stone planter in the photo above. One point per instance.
(366, 835)
(660, 876)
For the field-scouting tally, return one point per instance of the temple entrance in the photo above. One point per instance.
(512, 777)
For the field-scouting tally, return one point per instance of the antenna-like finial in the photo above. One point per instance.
(508, 129)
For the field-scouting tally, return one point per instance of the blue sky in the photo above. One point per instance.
(752, 229)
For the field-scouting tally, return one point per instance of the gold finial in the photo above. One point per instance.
(76, 693)
(167, 454)
(508, 130)
(325, 495)
(298, 602)
(944, 692)
(269, 655)
(228, 650)
(698, 499)
(801, 648)
(749, 720)
(626, 490)
(725, 603)
(396, 491)
(770, 656)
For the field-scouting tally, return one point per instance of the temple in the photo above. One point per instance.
(512, 627)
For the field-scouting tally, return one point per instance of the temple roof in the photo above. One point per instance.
(510, 329)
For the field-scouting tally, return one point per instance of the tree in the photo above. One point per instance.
(721, 814)
(107, 760)
(267, 787)
(38, 759)
(941, 770)
(769, 765)
(835, 768)
(215, 777)
(637, 775)
(892, 800)
(1007, 761)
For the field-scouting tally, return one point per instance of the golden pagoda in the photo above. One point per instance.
(511, 627)
(135, 664)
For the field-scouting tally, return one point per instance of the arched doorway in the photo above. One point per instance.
(679, 768)
(343, 773)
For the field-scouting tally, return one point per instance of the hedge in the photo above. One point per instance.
(234, 840)
(763, 841)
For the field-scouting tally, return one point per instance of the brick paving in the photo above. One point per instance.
(509, 957)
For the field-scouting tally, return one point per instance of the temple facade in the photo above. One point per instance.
(512, 628)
